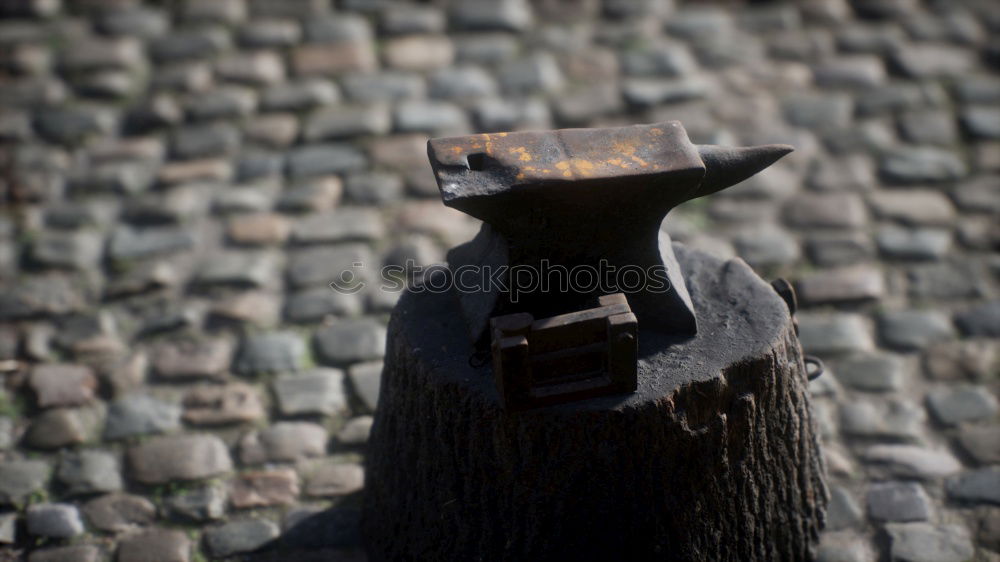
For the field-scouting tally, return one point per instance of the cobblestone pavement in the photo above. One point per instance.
(181, 180)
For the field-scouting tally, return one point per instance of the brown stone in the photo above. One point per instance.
(841, 285)
(179, 457)
(277, 130)
(958, 360)
(333, 478)
(61, 427)
(155, 545)
(258, 228)
(62, 385)
(210, 169)
(914, 206)
(251, 307)
(263, 488)
(206, 358)
(119, 512)
(231, 403)
(419, 52)
(127, 373)
(333, 58)
(283, 442)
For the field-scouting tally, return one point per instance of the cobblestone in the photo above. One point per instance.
(183, 181)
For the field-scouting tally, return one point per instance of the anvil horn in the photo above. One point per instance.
(725, 166)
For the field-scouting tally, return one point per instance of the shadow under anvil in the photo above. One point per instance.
(330, 535)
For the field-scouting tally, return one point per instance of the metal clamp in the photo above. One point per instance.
(814, 366)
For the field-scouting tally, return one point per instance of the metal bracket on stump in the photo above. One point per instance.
(567, 357)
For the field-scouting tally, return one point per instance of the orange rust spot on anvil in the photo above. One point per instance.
(522, 153)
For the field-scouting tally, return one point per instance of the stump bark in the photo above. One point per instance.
(715, 457)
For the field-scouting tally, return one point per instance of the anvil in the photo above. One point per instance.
(573, 199)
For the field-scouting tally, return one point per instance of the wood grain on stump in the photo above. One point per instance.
(715, 457)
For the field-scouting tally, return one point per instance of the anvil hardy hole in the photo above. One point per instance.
(476, 161)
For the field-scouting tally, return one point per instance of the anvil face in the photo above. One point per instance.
(582, 197)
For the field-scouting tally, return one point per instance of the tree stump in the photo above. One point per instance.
(715, 457)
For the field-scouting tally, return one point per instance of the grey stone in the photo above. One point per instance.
(980, 321)
(218, 11)
(322, 159)
(462, 82)
(161, 545)
(366, 378)
(949, 280)
(54, 520)
(21, 478)
(8, 528)
(271, 352)
(765, 246)
(843, 511)
(977, 486)
(385, 86)
(921, 165)
(815, 111)
(913, 329)
(486, 48)
(429, 116)
(339, 28)
(978, 195)
(71, 125)
(89, 471)
(322, 266)
(886, 418)
(199, 141)
(188, 44)
(240, 536)
(693, 22)
(179, 457)
(228, 102)
(119, 512)
(374, 188)
(877, 372)
(955, 405)
(138, 21)
(859, 71)
(839, 249)
(137, 243)
(503, 15)
(246, 269)
(930, 60)
(923, 542)
(314, 305)
(936, 127)
(347, 121)
(140, 414)
(342, 225)
(536, 73)
(403, 19)
(898, 501)
(913, 244)
(269, 33)
(833, 334)
(585, 104)
(299, 95)
(348, 341)
(317, 391)
(647, 92)
(494, 114)
(662, 59)
(854, 283)
(204, 503)
(981, 442)
(283, 442)
(73, 250)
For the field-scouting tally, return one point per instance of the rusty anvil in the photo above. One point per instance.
(575, 197)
